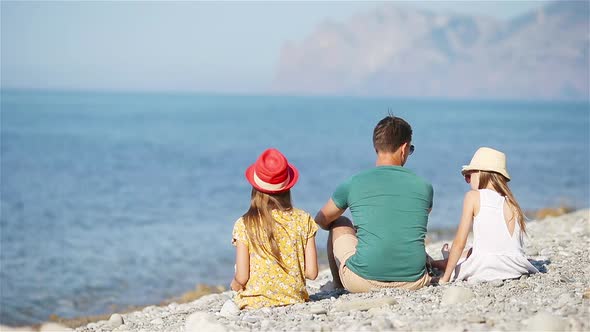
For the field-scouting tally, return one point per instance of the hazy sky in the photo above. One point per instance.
(186, 46)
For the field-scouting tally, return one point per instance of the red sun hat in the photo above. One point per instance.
(272, 173)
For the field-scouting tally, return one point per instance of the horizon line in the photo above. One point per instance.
(293, 95)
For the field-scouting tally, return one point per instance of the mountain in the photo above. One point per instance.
(399, 51)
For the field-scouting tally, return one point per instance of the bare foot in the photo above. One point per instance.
(330, 286)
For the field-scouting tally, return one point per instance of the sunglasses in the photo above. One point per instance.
(412, 148)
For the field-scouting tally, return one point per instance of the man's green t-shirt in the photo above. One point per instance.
(389, 207)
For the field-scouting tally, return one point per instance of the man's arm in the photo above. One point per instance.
(328, 214)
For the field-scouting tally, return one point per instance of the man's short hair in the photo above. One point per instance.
(390, 133)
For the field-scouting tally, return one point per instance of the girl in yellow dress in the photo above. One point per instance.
(275, 242)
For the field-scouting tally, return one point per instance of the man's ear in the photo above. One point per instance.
(402, 148)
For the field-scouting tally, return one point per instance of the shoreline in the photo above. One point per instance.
(535, 248)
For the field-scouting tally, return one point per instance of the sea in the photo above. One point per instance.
(112, 199)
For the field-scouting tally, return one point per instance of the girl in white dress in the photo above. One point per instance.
(498, 225)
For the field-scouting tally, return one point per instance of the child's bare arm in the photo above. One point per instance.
(311, 259)
(469, 204)
(242, 274)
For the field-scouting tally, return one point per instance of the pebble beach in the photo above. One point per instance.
(557, 299)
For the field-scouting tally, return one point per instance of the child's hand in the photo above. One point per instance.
(236, 286)
(443, 281)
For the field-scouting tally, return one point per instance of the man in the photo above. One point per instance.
(390, 206)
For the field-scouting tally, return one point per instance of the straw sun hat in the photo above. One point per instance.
(487, 159)
(272, 173)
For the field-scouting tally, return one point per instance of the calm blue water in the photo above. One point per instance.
(122, 199)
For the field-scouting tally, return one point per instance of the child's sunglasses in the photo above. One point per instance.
(468, 177)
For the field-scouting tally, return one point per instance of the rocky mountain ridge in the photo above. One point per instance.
(399, 51)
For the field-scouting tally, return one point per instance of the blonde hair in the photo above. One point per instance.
(500, 184)
(260, 224)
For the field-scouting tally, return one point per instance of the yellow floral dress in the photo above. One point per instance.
(269, 285)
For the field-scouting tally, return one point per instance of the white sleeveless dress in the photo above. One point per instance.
(496, 254)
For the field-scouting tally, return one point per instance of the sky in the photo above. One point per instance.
(216, 46)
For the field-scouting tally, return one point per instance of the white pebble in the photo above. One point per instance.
(454, 295)
(116, 320)
(202, 321)
(544, 321)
